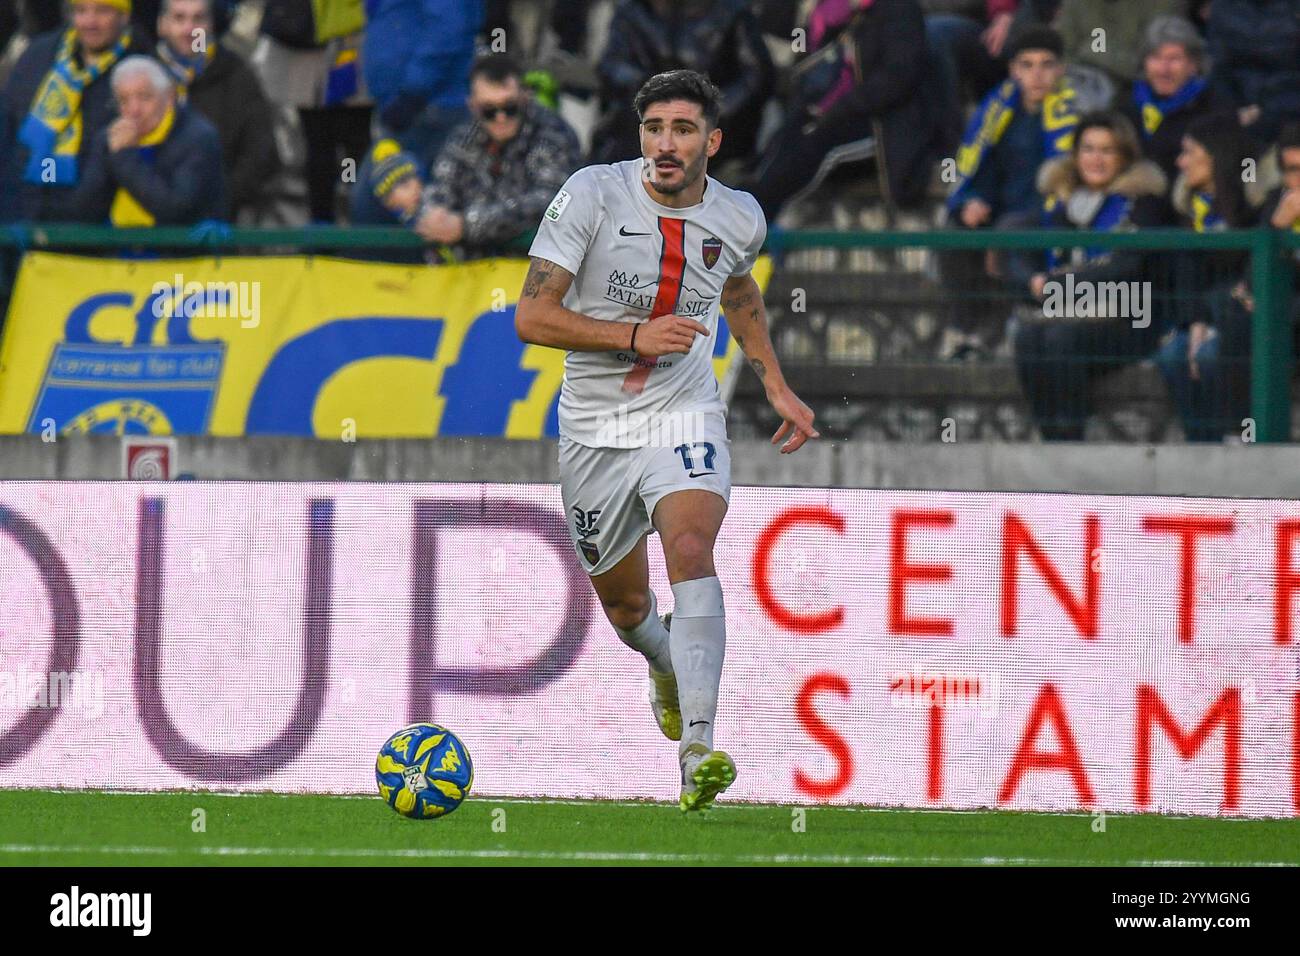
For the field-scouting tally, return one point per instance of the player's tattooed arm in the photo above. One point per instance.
(545, 280)
(742, 303)
(542, 319)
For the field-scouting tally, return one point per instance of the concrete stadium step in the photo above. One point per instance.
(982, 381)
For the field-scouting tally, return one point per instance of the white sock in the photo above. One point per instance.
(699, 643)
(650, 638)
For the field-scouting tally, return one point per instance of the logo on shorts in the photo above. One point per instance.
(711, 250)
(584, 523)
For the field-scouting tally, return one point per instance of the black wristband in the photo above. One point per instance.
(632, 345)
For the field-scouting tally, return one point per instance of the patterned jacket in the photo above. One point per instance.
(502, 193)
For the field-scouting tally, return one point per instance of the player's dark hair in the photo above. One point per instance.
(681, 85)
(496, 68)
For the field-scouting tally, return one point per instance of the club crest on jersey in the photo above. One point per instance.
(711, 251)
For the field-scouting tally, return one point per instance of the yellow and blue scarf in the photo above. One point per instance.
(53, 128)
(127, 212)
(1204, 218)
(1113, 215)
(185, 70)
(1059, 114)
(1154, 109)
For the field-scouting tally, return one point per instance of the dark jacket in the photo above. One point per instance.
(1266, 211)
(504, 194)
(1255, 47)
(20, 201)
(1163, 146)
(893, 59)
(721, 38)
(1008, 173)
(181, 185)
(1195, 276)
(230, 95)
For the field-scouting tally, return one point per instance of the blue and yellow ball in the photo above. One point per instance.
(424, 771)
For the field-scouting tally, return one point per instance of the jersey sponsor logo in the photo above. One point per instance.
(633, 359)
(710, 251)
(631, 291)
(558, 205)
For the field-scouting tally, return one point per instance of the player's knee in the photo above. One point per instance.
(690, 554)
(627, 610)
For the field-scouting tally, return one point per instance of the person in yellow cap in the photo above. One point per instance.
(57, 101)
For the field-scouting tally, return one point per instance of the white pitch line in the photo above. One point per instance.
(669, 805)
(672, 805)
(585, 856)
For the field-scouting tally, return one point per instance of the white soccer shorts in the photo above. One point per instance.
(610, 494)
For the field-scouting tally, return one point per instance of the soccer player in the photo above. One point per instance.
(629, 268)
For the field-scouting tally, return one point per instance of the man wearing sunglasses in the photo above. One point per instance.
(498, 172)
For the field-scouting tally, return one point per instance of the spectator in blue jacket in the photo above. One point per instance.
(1025, 121)
(1021, 124)
(417, 57)
(158, 163)
(55, 103)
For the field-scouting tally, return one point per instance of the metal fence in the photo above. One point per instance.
(935, 336)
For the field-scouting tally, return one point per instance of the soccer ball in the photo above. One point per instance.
(424, 771)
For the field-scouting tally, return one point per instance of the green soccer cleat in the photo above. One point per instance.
(705, 774)
(663, 698)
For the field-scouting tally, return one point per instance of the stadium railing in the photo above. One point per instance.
(841, 302)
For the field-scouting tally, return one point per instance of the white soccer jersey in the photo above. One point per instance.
(634, 260)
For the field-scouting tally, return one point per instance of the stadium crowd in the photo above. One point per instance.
(1023, 114)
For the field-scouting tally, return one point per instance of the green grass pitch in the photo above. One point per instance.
(73, 828)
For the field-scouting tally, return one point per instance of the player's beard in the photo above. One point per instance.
(690, 175)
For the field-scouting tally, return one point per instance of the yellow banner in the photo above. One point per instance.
(278, 346)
